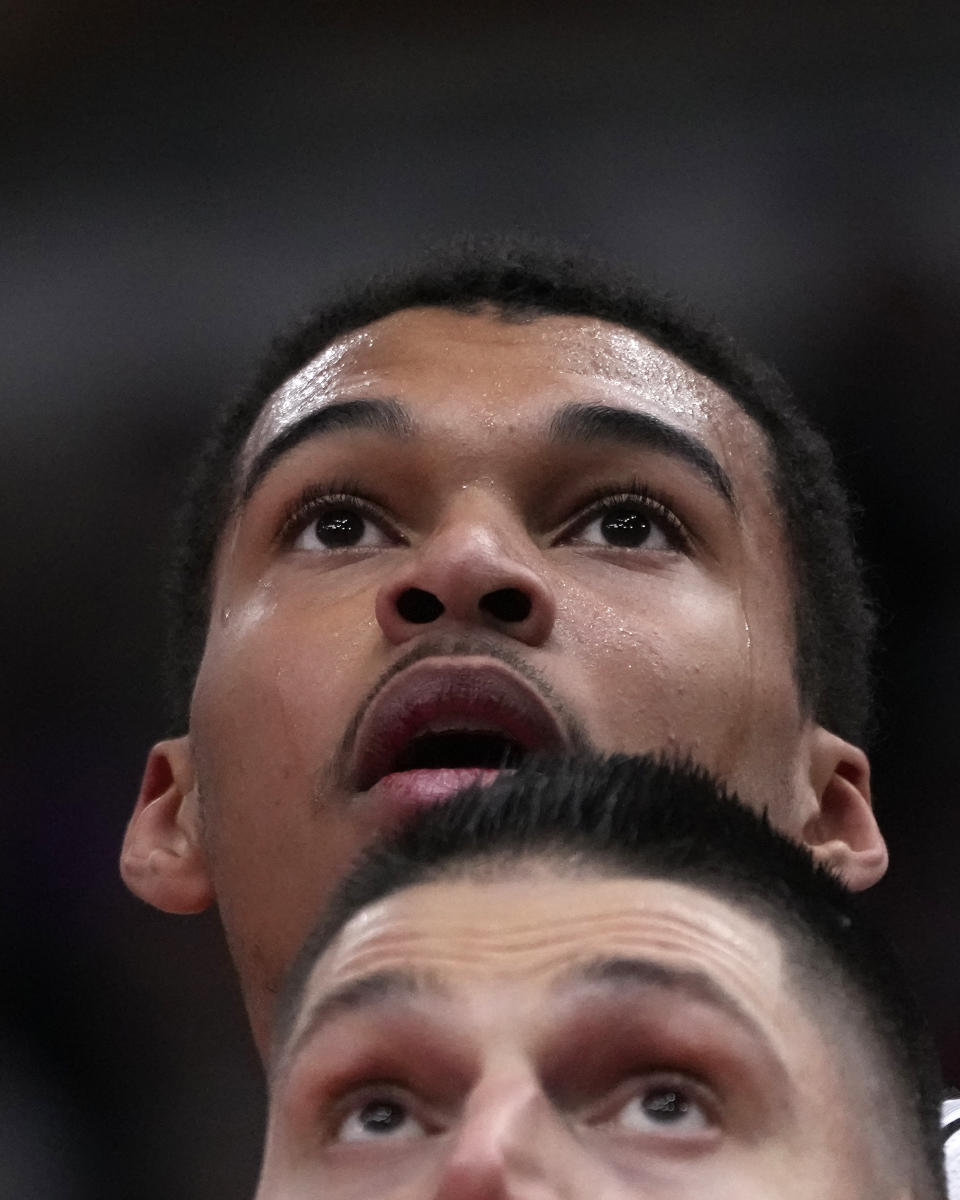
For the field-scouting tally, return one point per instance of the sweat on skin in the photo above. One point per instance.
(655, 608)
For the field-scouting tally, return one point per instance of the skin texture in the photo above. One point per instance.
(512, 1064)
(683, 643)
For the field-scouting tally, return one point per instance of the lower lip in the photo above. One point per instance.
(405, 792)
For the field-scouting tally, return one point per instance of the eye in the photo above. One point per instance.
(672, 1109)
(380, 1119)
(628, 522)
(340, 527)
(336, 522)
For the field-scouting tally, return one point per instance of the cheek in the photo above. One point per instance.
(279, 680)
(682, 669)
(273, 697)
(662, 658)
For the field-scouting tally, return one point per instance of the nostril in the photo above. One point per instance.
(418, 607)
(507, 604)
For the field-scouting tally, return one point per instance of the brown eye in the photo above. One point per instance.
(630, 523)
(625, 527)
(340, 527)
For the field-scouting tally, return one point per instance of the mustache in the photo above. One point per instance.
(459, 646)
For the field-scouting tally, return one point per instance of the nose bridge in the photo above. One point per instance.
(478, 564)
(480, 533)
(504, 1148)
(502, 1109)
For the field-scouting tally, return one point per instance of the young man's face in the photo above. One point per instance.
(575, 1038)
(459, 536)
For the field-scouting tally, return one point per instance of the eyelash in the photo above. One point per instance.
(349, 1097)
(345, 1100)
(317, 498)
(601, 500)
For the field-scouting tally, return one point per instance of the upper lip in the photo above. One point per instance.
(444, 695)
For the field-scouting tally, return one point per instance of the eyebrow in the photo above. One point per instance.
(612, 974)
(578, 422)
(624, 974)
(386, 416)
(357, 995)
(604, 423)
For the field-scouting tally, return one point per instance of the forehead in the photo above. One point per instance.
(480, 369)
(528, 932)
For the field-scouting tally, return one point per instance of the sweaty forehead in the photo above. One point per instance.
(536, 928)
(485, 364)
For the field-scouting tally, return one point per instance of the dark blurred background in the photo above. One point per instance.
(178, 179)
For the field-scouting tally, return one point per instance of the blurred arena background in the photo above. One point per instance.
(178, 180)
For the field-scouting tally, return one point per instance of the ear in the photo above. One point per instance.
(163, 860)
(843, 833)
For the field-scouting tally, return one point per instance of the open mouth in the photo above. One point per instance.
(441, 723)
(455, 749)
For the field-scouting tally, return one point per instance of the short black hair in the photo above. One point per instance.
(643, 816)
(522, 280)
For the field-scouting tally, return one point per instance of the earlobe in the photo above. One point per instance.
(163, 860)
(843, 833)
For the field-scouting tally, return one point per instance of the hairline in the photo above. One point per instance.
(657, 818)
(823, 997)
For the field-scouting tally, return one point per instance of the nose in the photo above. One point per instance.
(478, 569)
(506, 1148)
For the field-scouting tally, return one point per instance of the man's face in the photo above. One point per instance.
(574, 1038)
(461, 538)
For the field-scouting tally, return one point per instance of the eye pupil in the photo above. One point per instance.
(380, 1116)
(339, 527)
(666, 1105)
(625, 526)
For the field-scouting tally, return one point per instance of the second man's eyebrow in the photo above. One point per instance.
(604, 423)
(382, 415)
